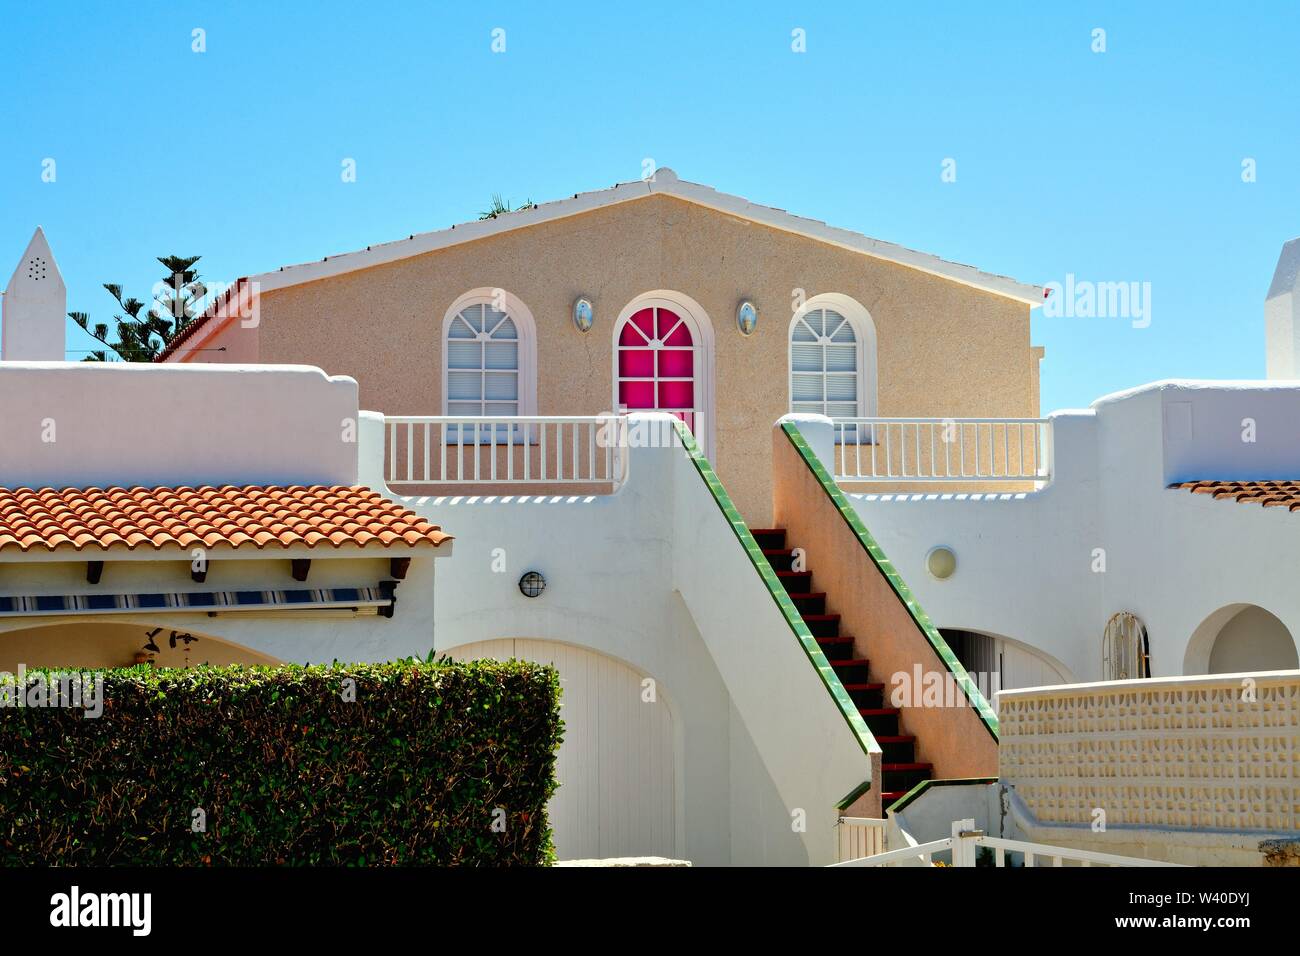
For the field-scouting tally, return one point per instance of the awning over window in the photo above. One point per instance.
(341, 598)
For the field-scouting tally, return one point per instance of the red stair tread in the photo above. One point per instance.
(887, 796)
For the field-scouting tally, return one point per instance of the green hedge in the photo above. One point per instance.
(285, 770)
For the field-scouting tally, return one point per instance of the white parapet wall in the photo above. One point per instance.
(76, 424)
(1187, 769)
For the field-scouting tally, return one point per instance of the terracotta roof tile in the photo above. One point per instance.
(256, 516)
(1270, 494)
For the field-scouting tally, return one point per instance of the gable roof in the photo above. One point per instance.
(663, 182)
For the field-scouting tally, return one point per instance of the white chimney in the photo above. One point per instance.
(1282, 315)
(35, 308)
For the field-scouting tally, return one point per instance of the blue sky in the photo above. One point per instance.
(1117, 166)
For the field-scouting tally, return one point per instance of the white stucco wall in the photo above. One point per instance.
(1025, 562)
(653, 576)
(80, 424)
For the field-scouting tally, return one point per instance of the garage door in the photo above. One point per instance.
(615, 767)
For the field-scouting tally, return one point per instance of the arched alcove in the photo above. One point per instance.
(1239, 638)
(85, 645)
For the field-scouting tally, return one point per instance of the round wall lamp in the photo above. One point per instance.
(941, 562)
(583, 315)
(747, 317)
(532, 584)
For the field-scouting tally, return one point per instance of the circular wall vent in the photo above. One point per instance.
(36, 268)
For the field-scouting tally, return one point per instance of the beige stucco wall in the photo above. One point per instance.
(229, 340)
(944, 349)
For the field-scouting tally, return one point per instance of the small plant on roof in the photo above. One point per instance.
(500, 206)
(177, 301)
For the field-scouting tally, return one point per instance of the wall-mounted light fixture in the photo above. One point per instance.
(747, 317)
(532, 584)
(941, 562)
(583, 314)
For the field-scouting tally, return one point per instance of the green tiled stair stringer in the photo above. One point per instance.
(792, 616)
(886, 567)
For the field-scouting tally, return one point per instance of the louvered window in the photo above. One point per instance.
(824, 377)
(482, 352)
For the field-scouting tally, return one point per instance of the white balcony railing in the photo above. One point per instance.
(966, 840)
(442, 450)
(943, 449)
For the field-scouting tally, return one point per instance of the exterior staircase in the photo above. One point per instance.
(899, 767)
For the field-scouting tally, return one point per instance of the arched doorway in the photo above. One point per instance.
(1000, 663)
(1240, 638)
(663, 361)
(617, 764)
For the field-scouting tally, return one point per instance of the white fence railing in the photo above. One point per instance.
(943, 449)
(859, 837)
(517, 450)
(966, 840)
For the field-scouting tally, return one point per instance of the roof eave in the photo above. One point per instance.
(665, 182)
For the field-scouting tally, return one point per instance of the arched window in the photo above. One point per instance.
(833, 358)
(663, 361)
(1125, 648)
(489, 356)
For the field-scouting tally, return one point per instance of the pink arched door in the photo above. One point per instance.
(658, 365)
